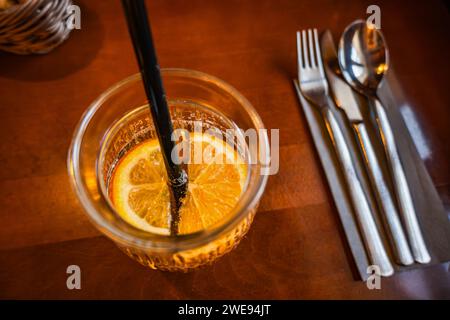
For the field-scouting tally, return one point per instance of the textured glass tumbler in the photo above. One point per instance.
(120, 119)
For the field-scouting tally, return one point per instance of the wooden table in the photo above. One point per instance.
(296, 248)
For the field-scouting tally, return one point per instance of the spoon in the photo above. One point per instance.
(364, 59)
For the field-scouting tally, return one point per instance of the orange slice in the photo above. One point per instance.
(140, 193)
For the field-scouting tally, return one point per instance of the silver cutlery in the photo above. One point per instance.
(314, 87)
(363, 58)
(345, 99)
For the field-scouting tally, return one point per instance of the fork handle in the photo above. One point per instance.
(385, 198)
(402, 191)
(370, 234)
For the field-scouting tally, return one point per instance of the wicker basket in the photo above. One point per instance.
(34, 26)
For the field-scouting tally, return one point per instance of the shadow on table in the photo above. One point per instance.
(74, 54)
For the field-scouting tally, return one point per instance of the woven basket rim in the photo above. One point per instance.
(34, 26)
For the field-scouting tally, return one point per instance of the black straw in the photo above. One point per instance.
(140, 33)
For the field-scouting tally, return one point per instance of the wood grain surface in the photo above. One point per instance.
(296, 248)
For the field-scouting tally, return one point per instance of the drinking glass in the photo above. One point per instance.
(120, 119)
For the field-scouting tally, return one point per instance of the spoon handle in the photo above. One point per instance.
(364, 215)
(384, 197)
(402, 191)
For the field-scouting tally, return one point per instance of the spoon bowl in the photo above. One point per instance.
(363, 57)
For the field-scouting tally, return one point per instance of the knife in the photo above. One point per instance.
(346, 99)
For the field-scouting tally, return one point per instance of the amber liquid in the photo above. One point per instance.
(135, 128)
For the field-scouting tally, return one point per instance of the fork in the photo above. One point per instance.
(314, 87)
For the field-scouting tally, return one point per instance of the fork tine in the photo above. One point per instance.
(299, 51)
(305, 50)
(311, 49)
(319, 55)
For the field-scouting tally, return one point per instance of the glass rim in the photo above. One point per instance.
(247, 201)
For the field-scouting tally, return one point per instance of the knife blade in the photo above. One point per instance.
(343, 95)
(346, 99)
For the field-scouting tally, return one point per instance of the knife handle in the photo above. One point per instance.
(369, 231)
(384, 197)
(407, 210)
